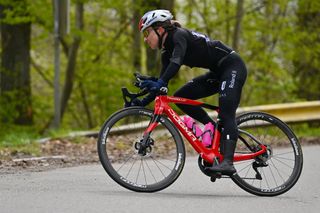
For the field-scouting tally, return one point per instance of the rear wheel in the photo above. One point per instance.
(276, 171)
(157, 167)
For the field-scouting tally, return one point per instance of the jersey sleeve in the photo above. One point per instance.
(176, 60)
(180, 48)
(165, 60)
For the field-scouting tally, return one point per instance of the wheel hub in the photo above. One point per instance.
(267, 155)
(144, 150)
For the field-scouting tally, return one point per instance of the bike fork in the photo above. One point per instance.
(146, 140)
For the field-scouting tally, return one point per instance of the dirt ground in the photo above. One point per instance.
(61, 153)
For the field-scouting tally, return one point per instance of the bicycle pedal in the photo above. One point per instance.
(214, 177)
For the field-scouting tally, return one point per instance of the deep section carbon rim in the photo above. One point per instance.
(276, 171)
(118, 147)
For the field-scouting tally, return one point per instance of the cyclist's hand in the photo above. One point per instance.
(140, 77)
(154, 86)
(137, 102)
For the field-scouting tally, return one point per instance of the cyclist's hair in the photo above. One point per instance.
(168, 25)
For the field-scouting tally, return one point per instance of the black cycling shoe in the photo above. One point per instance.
(225, 168)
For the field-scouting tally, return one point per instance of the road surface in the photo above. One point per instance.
(89, 189)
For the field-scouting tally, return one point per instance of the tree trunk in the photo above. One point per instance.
(306, 58)
(227, 8)
(136, 46)
(86, 106)
(72, 59)
(237, 28)
(15, 88)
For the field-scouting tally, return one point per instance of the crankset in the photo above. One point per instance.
(203, 165)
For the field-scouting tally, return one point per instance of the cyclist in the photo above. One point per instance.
(226, 76)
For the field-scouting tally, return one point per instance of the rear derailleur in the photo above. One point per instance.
(261, 161)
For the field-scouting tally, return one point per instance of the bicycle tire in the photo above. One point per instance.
(283, 163)
(118, 152)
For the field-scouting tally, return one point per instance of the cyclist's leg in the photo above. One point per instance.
(199, 87)
(232, 80)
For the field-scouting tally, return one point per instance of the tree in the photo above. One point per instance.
(15, 90)
(307, 57)
(71, 52)
(237, 28)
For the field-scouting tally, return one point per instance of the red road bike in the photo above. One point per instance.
(142, 149)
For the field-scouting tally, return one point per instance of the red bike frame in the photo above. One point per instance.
(208, 154)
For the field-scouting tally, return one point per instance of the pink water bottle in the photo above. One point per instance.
(207, 135)
(191, 124)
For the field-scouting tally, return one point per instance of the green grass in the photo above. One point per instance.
(306, 130)
(15, 139)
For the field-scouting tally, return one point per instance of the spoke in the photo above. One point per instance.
(265, 178)
(284, 153)
(158, 166)
(124, 135)
(247, 172)
(288, 159)
(277, 170)
(151, 172)
(139, 170)
(145, 177)
(161, 163)
(125, 162)
(245, 167)
(274, 179)
(284, 163)
(131, 168)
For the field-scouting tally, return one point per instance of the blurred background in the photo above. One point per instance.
(101, 48)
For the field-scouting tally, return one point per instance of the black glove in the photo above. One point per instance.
(154, 86)
(145, 101)
(140, 78)
(136, 102)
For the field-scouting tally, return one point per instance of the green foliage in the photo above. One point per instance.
(280, 51)
(19, 139)
(15, 12)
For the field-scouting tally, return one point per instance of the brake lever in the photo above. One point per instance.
(128, 97)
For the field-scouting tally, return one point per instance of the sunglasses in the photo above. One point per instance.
(147, 32)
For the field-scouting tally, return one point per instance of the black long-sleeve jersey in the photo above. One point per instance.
(185, 47)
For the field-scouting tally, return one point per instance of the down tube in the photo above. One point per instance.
(195, 143)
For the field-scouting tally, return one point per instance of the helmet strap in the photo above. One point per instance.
(160, 37)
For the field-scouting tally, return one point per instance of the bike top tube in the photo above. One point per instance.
(208, 154)
(179, 100)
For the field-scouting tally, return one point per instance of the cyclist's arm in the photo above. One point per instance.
(176, 60)
(165, 60)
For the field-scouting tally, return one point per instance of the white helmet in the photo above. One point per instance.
(152, 17)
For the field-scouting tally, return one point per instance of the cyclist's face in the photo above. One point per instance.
(151, 38)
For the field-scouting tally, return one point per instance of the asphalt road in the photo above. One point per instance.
(89, 189)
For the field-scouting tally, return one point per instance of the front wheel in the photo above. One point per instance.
(118, 147)
(276, 171)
